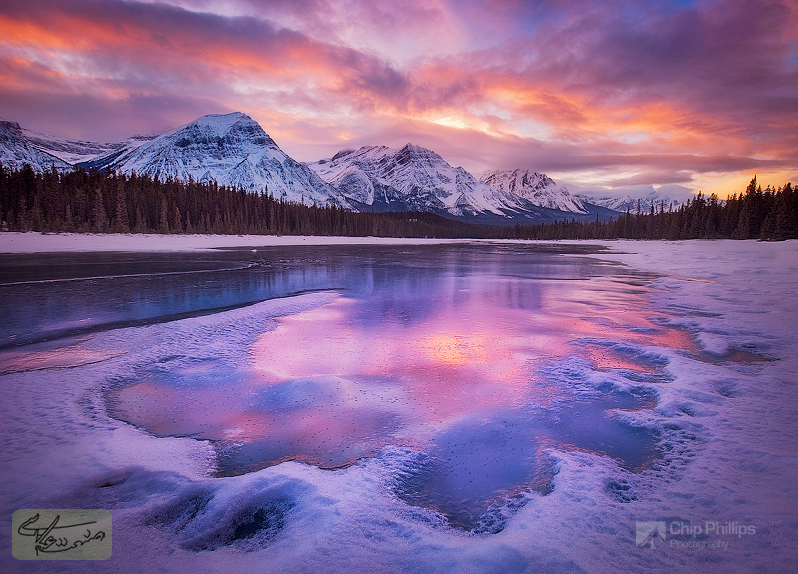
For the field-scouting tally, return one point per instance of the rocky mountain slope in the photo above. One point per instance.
(622, 204)
(16, 150)
(410, 178)
(416, 178)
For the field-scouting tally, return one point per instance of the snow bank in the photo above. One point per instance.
(34, 242)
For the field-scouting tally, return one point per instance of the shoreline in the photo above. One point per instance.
(17, 242)
(30, 242)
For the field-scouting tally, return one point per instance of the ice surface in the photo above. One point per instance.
(33, 242)
(578, 374)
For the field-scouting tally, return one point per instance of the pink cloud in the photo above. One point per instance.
(668, 91)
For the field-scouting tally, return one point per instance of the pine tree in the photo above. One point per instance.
(100, 216)
(163, 225)
(177, 226)
(121, 219)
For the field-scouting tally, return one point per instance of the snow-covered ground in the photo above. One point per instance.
(710, 332)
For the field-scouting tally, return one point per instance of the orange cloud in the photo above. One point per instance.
(560, 89)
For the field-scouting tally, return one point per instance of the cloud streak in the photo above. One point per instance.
(603, 94)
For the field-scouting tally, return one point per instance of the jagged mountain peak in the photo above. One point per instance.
(221, 124)
(220, 130)
(521, 178)
(414, 177)
(232, 149)
(413, 148)
(409, 178)
(628, 203)
(535, 187)
(10, 126)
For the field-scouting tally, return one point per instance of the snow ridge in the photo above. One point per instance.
(70, 151)
(416, 178)
(234, 150)
(16, 151)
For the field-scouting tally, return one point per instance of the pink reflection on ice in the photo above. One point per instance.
(467, 358)
(333, 384)
(473, 355)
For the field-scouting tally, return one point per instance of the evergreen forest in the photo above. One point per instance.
(96, 202)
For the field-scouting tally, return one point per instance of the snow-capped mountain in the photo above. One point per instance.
(534, 187)
(231, 149)
(415, 178)
(16, 150)
(410, 178)
(70, 151)
(20, 145)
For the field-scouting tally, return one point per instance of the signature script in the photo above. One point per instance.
(52, 537)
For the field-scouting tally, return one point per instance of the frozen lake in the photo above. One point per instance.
(409, 408)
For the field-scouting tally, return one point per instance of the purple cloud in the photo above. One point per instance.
(627, 92)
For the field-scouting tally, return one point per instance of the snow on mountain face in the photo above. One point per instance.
(535, 187)
(231, 149)
(415, 178)
(412, 178)
(70, 151)
(16, 150)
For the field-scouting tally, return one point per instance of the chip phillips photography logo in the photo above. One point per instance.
(648, 531)
(710, 534)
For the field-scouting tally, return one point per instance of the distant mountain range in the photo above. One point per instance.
(414, 178)
(233, 150)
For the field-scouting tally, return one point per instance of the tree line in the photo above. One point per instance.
(769, 215)
(96, 202)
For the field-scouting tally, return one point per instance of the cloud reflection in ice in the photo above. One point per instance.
(459, 362)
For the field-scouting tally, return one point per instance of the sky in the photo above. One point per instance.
(606, 96)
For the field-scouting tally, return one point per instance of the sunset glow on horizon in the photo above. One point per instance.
(619, 97)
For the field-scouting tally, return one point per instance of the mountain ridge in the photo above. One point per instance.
(535, 187)
(233, 150)
(16, 150)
